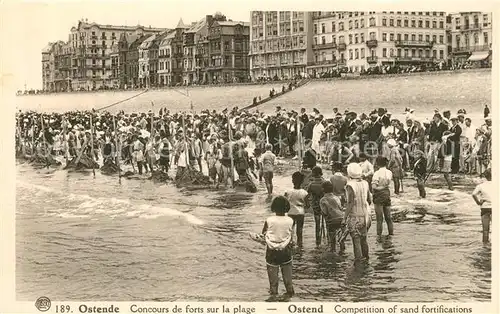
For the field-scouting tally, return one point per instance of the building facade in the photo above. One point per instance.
(470, 35)
(360, 40)
(170, 57)
(280, 44)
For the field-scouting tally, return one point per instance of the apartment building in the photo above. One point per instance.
(280, 44)
(216, 51)
(359, 40)
(132, 62)
(88, 50)
(470, 35)
(170, 58)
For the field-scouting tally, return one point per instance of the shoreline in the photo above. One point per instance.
(270, 83)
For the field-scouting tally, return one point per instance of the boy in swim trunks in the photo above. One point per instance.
(267, 161)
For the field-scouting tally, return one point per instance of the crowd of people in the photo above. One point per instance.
(369, 154)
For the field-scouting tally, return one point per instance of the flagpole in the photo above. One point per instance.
(117, 152)
(92, 144)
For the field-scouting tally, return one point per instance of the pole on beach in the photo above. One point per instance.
(299, 144)
(230, 135)
(92, 144)
(185, 140)
(46, 150)
(117, 151)
(65, 140)
(33, 137)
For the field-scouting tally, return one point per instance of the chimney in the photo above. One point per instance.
(209, 19)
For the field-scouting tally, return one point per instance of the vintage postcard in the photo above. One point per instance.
(249, 157)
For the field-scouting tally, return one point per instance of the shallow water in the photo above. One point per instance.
(85, 238)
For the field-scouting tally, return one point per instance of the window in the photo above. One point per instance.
(413, 37)
(419, 13)
(434, 38)
(398, 23)
(434, 54)
(356, 54)
(420, 23)
(356, 38)
(441, 54)
(350, 54)
(427, 38)
(362, 37)
(413, 23)
(362, 53)
(413, 53)
(333, 26)
(350, 39)
(384, 52)
(372, 21)
(398, 36)
(334, 40)
(323, 40)
(441, 24)
(406, 23)
(315, 28)
(384, 22)
(420, 37)
(341, 26)
(441, 39)
(391, 37)
(486, 42)
(356, 24)
(399, 52)
(362, 23)
(350, 24)
(384, 36)
(485, 19)
(420, 53)
(427, 53)
(373, 36)
(391, 53)
(323, 28)
(391, 22)
(406, 37)
(434, 24)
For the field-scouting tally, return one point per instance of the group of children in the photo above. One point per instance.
(341, 205)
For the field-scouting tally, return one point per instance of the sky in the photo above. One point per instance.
(27, 27)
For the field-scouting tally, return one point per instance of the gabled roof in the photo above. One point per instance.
(233, 23)
(147, 42)
(138, 42)
(48, 48)
(197, 26)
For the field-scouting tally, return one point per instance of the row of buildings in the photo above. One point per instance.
(282, 44)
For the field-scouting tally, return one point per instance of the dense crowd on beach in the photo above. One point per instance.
(369, 154)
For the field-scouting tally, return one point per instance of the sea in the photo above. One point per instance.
(88, 238)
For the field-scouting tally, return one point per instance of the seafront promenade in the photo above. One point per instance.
(271, 83)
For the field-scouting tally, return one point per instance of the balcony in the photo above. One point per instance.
(341, 62)
(325, 46)
(325, 62)
(372, 43)
(470, 27)
(469, 49)
(414, 59)
(341, 46)
(419, 44)
(93, 37)
(372, 59)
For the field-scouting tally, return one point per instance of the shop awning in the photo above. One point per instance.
(479, 55)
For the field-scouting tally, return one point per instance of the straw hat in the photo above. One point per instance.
(391, 142)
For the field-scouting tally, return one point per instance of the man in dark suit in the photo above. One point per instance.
(437, 129)
(456, 131)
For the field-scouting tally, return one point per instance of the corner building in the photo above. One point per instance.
(360, 40)
(471, 37)
(280, 44)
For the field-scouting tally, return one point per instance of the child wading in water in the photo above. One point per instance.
(298, 203)
(483, 194)
(420, 171)
(278, 235)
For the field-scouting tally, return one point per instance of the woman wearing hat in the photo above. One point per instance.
(357, 214)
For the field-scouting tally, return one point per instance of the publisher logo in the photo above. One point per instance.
(42, 304)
